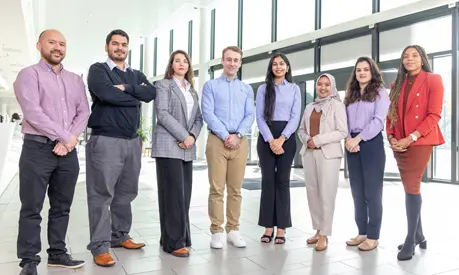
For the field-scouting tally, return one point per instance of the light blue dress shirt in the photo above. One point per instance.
(228, 106)
(286, 108)
(111, 64)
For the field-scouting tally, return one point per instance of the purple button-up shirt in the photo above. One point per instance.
(53, 104)
(368, 118)
(287, 108)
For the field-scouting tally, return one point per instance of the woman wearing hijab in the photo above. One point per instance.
(323, 127)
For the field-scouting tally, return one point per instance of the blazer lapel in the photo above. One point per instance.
(307, 120)
(180, 95)
(416, 88)
(195, 108)
(326, 109)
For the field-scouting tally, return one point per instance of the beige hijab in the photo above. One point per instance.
(320, 102)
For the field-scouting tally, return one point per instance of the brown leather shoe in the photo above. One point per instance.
(322, 243)
(182, 252)
(129, 244)
(104, 260)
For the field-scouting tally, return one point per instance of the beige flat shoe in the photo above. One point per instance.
(368, 245)
(312, 240)
(322, 243)
(356, 240)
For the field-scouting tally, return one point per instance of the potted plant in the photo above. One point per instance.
(143, 133)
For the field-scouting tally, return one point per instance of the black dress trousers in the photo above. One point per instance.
(174, 178)
(275, 179)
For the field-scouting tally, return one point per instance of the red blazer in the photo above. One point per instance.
(423, 110)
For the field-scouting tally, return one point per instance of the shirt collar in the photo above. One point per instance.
(187, 84)
(284, 82)
(112, 65)
(224, 77)
(47, 66)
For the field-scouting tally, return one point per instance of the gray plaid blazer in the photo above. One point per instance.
(172, 124)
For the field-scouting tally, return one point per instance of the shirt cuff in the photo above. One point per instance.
(65, 138)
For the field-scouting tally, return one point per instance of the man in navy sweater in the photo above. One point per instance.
(113, 152)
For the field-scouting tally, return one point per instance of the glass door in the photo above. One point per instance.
(441, 158)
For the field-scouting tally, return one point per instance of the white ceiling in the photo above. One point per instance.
(84, 23)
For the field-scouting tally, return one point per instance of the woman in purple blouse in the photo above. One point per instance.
(367, 103)
(278, 109)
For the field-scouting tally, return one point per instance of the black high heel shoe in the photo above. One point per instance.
(422, 245)
(280, 240)
(406, 253)
(264, 237)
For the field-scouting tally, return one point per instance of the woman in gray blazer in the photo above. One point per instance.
(322, 129)
(179, 122)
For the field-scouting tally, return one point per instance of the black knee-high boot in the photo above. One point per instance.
(413, 204)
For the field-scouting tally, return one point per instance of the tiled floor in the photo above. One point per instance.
(440, 218)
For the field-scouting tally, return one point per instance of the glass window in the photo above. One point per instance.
(295, 17)
(195, 40)
(333, 11)
(390, 4)
(344, 54)
(442, 154)
(434, 35)
(254, 71)
(163, 52)
(302, 62)
(225, 25)
(181, 37)
(135, 56)
(256, 24)
(218, 73)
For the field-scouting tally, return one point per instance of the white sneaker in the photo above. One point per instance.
(217, 240)
(235, 238)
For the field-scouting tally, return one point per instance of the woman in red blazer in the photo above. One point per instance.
(412, 130)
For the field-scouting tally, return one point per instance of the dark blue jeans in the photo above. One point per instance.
(366, 173)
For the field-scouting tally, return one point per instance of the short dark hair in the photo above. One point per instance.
(116, 32)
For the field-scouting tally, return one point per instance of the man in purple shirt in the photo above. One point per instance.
(55, 107)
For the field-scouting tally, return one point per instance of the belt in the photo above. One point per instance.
(38, 138)
(215, 134)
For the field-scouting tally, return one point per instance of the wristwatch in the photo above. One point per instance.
(239, 135)
(413, 137)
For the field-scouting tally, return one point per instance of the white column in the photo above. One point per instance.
(204, 55)
(148, 71)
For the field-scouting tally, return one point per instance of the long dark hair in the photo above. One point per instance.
(170, 71)
(401, 76)
(270, 94)
(371, 91)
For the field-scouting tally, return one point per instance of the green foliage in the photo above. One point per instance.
(144, 133)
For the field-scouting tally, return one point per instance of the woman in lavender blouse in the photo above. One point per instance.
(278, 109)
(367, 103)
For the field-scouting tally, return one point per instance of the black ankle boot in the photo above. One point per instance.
(419, 239)
(413, 204)
(406, 253)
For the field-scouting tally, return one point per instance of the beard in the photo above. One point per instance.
(116, 57)
(51, 59)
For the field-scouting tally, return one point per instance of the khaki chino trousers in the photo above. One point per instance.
(226, 168)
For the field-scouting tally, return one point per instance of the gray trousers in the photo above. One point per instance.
(112, 180)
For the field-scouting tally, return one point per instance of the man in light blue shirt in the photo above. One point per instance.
(228, 109)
